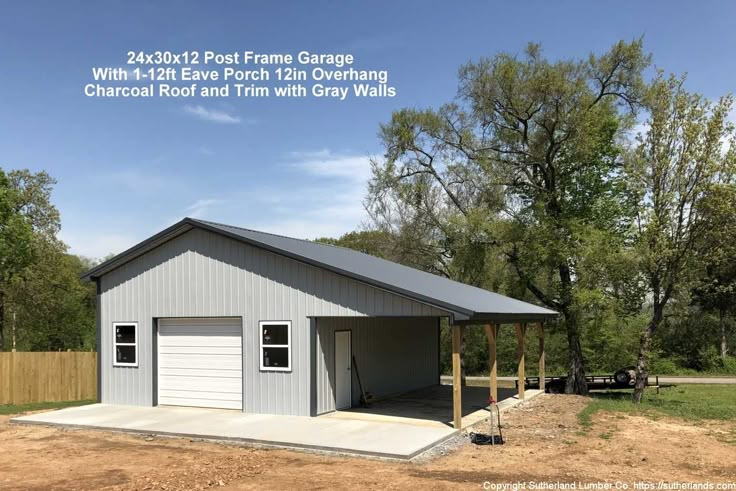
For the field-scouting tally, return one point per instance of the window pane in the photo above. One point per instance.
(125, 333)
(125, 354)
(276, 334)
(276, 357)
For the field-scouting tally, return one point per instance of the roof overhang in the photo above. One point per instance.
(505, 318)
(137, 250)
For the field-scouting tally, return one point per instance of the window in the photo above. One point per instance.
(275, 345)
(125, 344)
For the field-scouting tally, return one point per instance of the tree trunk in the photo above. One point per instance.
(645, 347)
(2, 320)
(724, 342)
(576, 383)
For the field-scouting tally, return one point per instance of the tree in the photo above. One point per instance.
(524, 165)
(678, 161)
(55, 310)
(39, 282)
(374, 242)
(716, 290)
(16, 252)
(33, 191)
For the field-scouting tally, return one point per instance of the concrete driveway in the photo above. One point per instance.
(352, 436)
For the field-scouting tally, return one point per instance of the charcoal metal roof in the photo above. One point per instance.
(464, 301)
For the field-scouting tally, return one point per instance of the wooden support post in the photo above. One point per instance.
(520, 334)
(492, 335)
(540, 334)
(457, 403)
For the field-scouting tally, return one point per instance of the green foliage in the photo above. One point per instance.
(15, 232)
(55, 310)
(678, 163)
(16, 251)
(716, 289)
(44, 304)
(374, 242)
(690, 402)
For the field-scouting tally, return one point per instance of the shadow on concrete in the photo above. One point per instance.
(431, 403)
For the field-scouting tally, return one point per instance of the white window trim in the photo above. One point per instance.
(261, 324)
(115, 344)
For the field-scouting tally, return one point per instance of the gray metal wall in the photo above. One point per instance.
(202, 274)
(393, 355)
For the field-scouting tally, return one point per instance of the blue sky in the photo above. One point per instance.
(128, 168)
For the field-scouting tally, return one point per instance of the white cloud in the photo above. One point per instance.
(324, 199)
(212, 115)
(317, 194)
(201, 207)
(330, 207)
(309, 154)
(353, 168)
(95, 244)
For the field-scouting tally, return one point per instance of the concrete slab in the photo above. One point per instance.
(384, 439)
(432, 406)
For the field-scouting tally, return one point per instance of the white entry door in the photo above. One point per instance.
(200, 363)
(343, 373)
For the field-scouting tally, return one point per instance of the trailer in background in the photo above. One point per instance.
(622, 379)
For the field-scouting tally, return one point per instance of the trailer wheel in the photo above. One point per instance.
(625, 376)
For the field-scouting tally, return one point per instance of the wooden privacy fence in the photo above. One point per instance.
(47, 376)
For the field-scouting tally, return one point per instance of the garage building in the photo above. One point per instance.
(209, 315)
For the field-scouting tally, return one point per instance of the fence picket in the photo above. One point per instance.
(47, 377)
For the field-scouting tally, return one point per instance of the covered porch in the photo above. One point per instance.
(494, 393)
(388, 369)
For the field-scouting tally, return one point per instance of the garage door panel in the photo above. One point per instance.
(200, 363)
(199, 372)
(203, 361)
(171, 335)
(213, 384)
(191, 331)
(222, 342)
(201, 395)
(211, 403)
(201, 350)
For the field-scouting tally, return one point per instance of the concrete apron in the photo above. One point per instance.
(383, 439)
(346, 433)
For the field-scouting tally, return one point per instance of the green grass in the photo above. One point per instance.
(690, 402)
(606, 435)
(6, 409)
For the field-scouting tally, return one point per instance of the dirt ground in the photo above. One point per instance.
(544, 443)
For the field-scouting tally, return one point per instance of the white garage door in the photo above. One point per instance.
(200, 363)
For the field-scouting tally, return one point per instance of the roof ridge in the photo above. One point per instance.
(354, 251)
(295, 238)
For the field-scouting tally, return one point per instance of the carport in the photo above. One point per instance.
(418, 397)
(492, 331)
